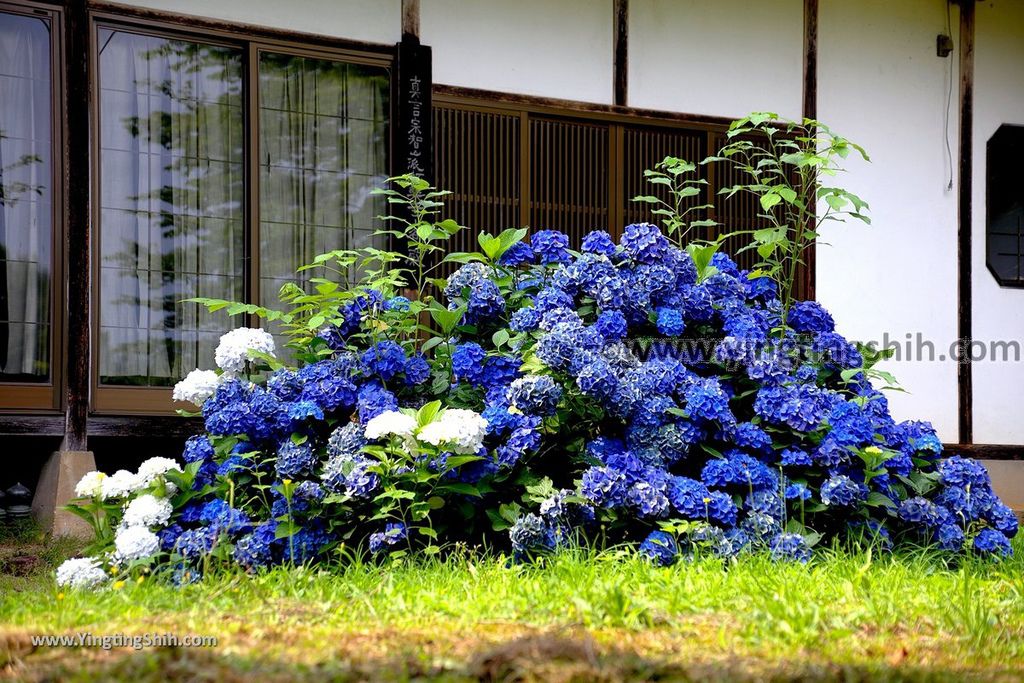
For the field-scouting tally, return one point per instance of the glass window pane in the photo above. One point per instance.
(323, 147)
(26, 213)
(171, 203)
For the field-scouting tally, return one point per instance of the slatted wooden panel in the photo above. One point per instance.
(643, 148)
(477, 158)
(579, 175)
(569, 177)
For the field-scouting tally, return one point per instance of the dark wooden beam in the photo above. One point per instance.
(620, 69)
(76, 175)
(809, 110)
(965, 376)
(493, 98)
(985, 451)
(411, 20)
(156, 427)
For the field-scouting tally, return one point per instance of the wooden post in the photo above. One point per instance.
(965, 379)
(810, 111)
(621, 48)
(411, 19)
(76, 179)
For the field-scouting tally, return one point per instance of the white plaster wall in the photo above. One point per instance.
(721, 58)
(546, 48)
(377, 21)
(998, 312)
(881, 84)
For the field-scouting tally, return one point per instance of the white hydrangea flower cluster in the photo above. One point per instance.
(91, 485)
(240, 345)
(123, 483)
(81, 572)
(462, 431)
(197, 386)
(153, 468)
(390, 423)
(147, 511)
(134, 543)
(119, 484)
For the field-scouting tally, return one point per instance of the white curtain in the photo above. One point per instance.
(171, 203)
(25, 198)
(323, 148)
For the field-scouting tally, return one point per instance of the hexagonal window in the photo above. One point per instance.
(1004, 206)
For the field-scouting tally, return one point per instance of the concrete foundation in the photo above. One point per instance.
(56, 488)
(1008, 482)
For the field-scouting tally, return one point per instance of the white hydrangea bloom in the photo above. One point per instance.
(237, 346)
(135, 543)
(462, 431)
(91, 485)
(81, 572)
(119, 484)
(154, 467)
(147, 510)
(390, 422)
(197, 386)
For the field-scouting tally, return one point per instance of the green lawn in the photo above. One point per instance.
(600, 616)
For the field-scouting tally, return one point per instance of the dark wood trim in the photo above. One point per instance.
(148, 426)
(965, 376)
(77, 66)
(810, 111)
(986, 451)
(559, 107)
(620, 71)
(411, 20)
(205, 28)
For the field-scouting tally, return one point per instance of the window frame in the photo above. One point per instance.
(131, 400)
(18, 397)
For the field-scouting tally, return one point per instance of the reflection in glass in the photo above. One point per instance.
(26, 199)
(323, 148)
(171, 203)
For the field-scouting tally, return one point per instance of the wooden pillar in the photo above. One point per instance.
(76, 179)
(620, 75)
(965, 378)
(809, 110)
(411, 19)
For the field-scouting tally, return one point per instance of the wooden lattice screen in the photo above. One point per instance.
(511, 167)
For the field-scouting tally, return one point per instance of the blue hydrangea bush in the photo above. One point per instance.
(636, 391)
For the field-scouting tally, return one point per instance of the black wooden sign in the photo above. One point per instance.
(414, 148)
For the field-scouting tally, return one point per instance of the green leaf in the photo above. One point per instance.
(460, 487)
(427, 413)
(769, 199)
(876, 499)
(500, 337)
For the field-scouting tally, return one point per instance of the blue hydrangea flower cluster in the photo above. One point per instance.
(707, 415)
(636, 393)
